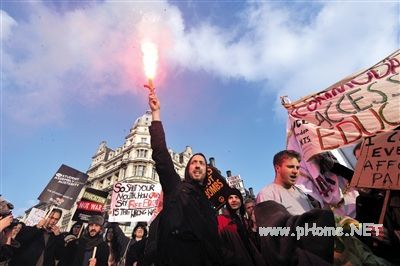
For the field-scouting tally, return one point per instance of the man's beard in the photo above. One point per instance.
(93, 235)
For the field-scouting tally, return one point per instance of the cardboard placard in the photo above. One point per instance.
(379, 164)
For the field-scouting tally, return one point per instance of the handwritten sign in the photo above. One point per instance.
(216, 187)
(359, 106)
(35, 215)
(379, 163)
(134, 202)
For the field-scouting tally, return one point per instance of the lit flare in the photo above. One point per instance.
(150, 59)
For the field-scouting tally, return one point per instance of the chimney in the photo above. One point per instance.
(251, 192)
(228, 173)
(212, 161)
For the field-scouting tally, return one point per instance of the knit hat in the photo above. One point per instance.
(96, 219)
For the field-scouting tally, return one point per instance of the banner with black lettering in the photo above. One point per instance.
(359, 106)
(134, 202)
(216, 187)
(64, 187)
(379, 163)
(91, 203)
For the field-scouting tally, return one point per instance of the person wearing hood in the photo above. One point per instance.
(238, 248)
(135, 252)
(187, 232)
(70, 244)
(91, 249)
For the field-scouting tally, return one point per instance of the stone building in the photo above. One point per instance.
(131, 162)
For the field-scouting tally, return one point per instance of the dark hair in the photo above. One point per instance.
(56, 210)
(285, 154)
(187, 176)
(140, 225)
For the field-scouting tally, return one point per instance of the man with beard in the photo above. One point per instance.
(40, 244)
(283, 190)
(187, 228)
(91, 242)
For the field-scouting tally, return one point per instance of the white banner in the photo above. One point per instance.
(134, 202)
(359, 106)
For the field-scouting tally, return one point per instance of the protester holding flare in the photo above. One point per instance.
(187, 229)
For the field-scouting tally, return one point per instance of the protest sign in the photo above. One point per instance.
(35, 215)
(216, 187)
(64, 187)
(134, 202)
(359, 106)
(236, 182)
(92, 203)
(379, 164)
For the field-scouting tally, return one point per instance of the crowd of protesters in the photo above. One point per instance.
(189, 231)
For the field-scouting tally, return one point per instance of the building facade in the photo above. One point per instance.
(131, 162)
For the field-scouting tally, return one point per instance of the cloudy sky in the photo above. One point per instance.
(72, 76)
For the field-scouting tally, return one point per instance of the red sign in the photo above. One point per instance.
(90, 206)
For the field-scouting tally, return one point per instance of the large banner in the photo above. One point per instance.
(359, 106)
(134, 202)
(379, 164)
(92, 203)
(64, 187)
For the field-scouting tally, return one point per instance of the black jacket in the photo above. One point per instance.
(188, 231)
(32, 244)
(135, 253)
(102, 252)
(287, 250)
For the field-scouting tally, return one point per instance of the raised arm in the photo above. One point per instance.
(169, 179)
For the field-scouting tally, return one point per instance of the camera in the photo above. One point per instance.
(12, 224)
(5, 210)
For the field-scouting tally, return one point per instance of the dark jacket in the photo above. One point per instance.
(188, 233)
(135, 253)
(120, 242)
(83, 247)
(368, 209)
(237, 248)
(33, 244)
(287, 250)
(7, 251)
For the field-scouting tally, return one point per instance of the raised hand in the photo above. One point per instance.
(5, 222)
(154, 105)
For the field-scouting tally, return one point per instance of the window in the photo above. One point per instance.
(141, 153)
(140, 170)
(154, 174)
